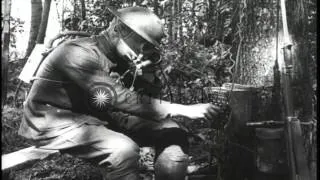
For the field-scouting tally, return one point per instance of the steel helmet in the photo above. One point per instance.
(142, 21)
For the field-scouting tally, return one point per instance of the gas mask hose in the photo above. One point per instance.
(134, 79)
(138, 69)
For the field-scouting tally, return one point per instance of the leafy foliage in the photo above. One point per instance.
(16, 27)
(201, 49)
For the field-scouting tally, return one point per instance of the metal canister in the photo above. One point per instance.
(271, 155)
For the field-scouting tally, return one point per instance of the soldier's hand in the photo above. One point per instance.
(207, 111)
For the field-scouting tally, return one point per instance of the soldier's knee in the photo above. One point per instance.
(172, 153)
(123, 155)
(171, 163)
(127, 151)
(122, 163)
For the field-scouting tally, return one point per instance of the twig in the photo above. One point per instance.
(8, 126)
(16, 92)
(191, 68)
(167, 83)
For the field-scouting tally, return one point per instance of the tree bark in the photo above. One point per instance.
(194, 17)
(75, 7)
(83, 9)
(44, 21)
(180, 20)
(155, 7)
(174, 18)
(297, 24)
(170, 22)
(5, 40)
(36, 11)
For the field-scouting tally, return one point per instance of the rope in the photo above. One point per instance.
(134, 79)
(237, 59)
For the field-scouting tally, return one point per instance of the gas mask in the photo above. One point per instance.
(148, 58)
(139, 53)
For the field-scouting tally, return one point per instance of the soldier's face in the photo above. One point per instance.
(136, 49)
(125, 51)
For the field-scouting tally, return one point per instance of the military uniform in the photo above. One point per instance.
(78, 105)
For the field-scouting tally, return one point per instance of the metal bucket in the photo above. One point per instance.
(271, 156)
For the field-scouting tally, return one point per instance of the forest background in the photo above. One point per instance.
(208, 43)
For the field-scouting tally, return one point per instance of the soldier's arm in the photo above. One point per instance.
(82, 67)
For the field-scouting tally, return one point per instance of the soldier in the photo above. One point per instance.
(84, 101)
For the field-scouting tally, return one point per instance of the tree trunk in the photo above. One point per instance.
(5, 40)
(297, 19)
(175, 25)
(75, 7)
(44, 21)
(155, 7)
(83, 9)
(298, 27)
(180, 20)
(36, 11)
(62, 16)
(194, 17)
(170, 25)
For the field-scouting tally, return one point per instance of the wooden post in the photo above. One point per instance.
(44, 21)
(5, 40)
(36, 12)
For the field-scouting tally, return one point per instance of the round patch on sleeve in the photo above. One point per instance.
(102, 97)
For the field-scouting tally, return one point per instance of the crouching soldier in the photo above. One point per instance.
(84, 101)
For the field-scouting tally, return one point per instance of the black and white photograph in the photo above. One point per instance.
(159, 89)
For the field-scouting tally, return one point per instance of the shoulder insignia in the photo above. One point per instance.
(101, 96)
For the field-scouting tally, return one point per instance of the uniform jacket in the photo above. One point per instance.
(68, 85)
